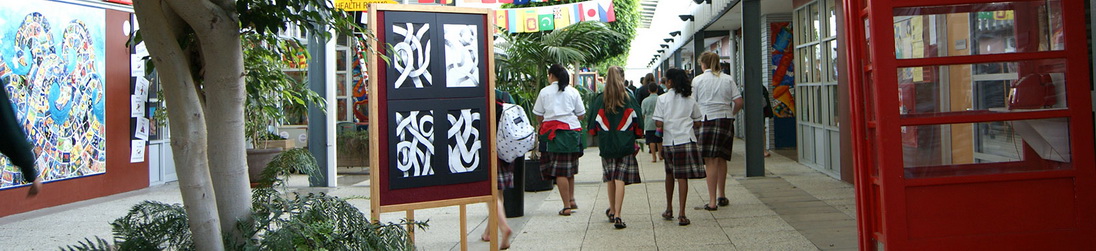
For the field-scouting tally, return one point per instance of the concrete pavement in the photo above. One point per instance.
(793, 208)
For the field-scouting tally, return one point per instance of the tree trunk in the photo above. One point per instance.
(161, 32)
(218, 32)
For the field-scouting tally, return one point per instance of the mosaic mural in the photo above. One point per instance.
(51, 64)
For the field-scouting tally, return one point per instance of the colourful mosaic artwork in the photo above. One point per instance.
(51, 63)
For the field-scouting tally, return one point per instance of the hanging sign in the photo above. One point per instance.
(358, 5)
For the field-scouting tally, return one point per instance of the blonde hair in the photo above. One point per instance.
(711, 60)
(615, 93)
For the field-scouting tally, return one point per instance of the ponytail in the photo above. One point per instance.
(681, 83)
(562, 78)
(711, 60)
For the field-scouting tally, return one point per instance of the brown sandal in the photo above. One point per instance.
(668, 215)
(565, 212)
(682, 221)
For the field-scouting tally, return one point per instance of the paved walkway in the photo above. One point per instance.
(793, 208)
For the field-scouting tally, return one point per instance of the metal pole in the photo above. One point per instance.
(751, 59)
(317, 119)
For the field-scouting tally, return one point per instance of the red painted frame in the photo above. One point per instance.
(886, 199)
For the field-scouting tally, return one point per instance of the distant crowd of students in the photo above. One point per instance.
(688, 122)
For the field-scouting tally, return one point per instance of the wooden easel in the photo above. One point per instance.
(374, 142)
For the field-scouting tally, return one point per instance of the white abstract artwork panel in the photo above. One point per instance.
(415, 137)
(464, 141)
(412, 54)
(461, 55)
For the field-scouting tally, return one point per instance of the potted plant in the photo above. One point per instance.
(270, 93)
(353, 148)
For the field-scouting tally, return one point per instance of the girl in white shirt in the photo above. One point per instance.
(719, 100)
(559, 108)
(678, 115)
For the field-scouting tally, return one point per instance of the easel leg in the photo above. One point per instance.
(493, 223)
(411, 228)
(463, 228)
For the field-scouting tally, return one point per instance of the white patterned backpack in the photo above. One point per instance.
(516, 135)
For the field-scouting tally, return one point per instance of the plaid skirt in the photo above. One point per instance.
(554, 165)
(623, 169)
(684, 161)
(715, 138)
(505, 175)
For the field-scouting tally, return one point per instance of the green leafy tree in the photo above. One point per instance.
(197, 49)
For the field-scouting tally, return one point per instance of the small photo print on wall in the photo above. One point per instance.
(411, 55)
(462, 60)
(415, 143)
(464, 140)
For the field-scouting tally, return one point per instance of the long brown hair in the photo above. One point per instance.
(711, 60)
(615, 93)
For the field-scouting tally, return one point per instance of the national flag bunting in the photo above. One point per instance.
(546, 19)
(534, 19)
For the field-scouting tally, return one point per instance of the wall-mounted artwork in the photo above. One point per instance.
(465, 140)
(52, 65)
(411, 57)
(433, 143)
(434, 55)
(432, 105)
(415, 143)
(783, 65)
(461, 55)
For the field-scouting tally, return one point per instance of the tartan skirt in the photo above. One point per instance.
(554, 165)
(623, 169)
(716, 137)
(684, 161)
(505, 175)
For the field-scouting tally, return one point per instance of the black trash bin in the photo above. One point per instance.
(533, 180)
(513, 199)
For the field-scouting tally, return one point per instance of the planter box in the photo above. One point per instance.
(269, 144)
(352, 153)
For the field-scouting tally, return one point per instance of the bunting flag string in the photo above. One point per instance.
(537, 19)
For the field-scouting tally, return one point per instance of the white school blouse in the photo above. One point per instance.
(715, 95)
(563, 106)
(677, 114)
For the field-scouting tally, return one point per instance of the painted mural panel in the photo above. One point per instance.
(783, 73)
(52, 63)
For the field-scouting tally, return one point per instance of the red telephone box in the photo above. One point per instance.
(972, 124)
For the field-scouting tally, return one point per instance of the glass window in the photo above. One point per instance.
(978, 88)
(977, 29)
(815, 23)
(340, 84)
(1014, 146)
(832, 51)
(831, 18)
(805, 63)
(340, 60)
(818, 70)
(342, 104)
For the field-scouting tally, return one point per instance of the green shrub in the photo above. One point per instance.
(279, 221)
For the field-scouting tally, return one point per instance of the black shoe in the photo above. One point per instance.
(619, 224)
(723, 201)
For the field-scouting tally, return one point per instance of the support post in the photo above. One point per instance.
(751, 61)
(677, 58)
(698, 47)
(320, 124)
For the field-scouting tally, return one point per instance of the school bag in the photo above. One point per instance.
(516, 135)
